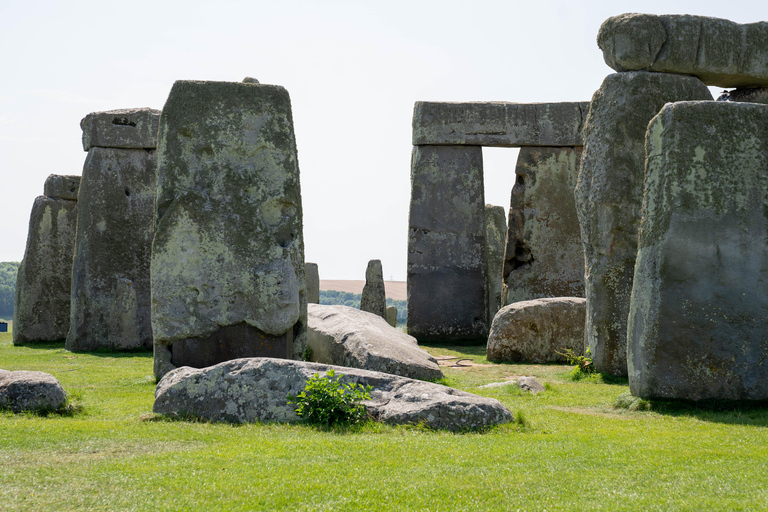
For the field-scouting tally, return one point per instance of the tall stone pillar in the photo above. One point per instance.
(228, 277)
(374, 296)
(313, 283)
(495, 237)
(447, 298)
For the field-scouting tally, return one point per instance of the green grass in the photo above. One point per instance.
(576, 451)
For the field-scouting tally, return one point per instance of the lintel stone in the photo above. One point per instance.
(62, 187)
(129, 128)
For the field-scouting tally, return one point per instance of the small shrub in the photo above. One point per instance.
(584, 366)
(327, 401)
(520, 418)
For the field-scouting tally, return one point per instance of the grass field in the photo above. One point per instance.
(576, 452)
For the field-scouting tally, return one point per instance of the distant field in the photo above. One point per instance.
(395, 289)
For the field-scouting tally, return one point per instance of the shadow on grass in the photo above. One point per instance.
(101, 352)
(730, 412)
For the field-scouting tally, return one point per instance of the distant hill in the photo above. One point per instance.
(338, 298)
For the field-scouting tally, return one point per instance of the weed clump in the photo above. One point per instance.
(583, 364)
(631, 403)
(327, 401)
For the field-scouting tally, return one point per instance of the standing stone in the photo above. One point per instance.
(392, 315)
(609, 198)
(719, 52)
(544, 257)
(115, 226)
(495, 235)
(697, 327)
(43, 282)
(446, 244)
(313, 283)
(228, 278)
(374, 297)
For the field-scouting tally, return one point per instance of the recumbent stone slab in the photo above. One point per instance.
(374, 296)
(719, 52)
(30, 391)
(609, 196)
(543, 256)
(533, 331)
(255, 389)
(446, 244)
(110, 270)
(228, 256)
(347, 336)
(130, 128)
(43, 282)
(697, 327)
(498, 123)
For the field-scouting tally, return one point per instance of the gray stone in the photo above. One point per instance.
(543, 256)
(227, 268)
(255, 390)
(130, 128)
(719, 52)
(250, 80)
(700, 298)
(313, 283)
(446, 244)
(115, 226)
(62, 187)
(746, 95)
(346, 336)
(533, 331)
(609, 197)
(30, 391)
(392, 315)
(497, 123)
(43, 281)
(374, 296)
(495, 236)
(529, 384)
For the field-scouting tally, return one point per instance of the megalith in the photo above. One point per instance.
(719, 52)
(543, 256)
(446, 246)
(374, 296)
(699, 309)
(228, 276)
(43, 282)
(110, 301)
(313, 283)
(609, 197)
(495, 237)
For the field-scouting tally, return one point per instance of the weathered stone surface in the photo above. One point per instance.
(700, 298)
(374, 296)
(228, 256)
(43, 281)
(719, 52)
(115, 226)
(392, 315)
(609, 197)
(62, 187)
(543, 256)
(746, 95)
(529, 384)
(313, 283)
(495, 237)
(249, 390)
(446, 244)
(498, 123)
(533, 331)
(346, 336)
(30, 391)
(129, 128)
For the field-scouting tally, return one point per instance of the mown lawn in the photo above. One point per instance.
(576, 451)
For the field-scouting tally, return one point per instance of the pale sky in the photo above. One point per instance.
(353, 69)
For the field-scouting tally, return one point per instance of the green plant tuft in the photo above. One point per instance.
(631, 403)
(584, 366)
(327, 401)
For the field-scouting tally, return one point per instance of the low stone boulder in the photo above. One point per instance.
(256, 390)
(346, 336)
(529, 384)
(533, 331)
(30, 391)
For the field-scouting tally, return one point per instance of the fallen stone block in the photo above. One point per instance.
(529, 384)
(719, 52)
(699, 305)
(346, 336)
(130, 128)
(498, 123)
(255, 390)
(30, 391)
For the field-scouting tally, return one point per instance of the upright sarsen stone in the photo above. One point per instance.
(699, 310)
(43, 282)
(374, 296)
(543, 256)
(495, 237)
(313, 283)
(113, 245)
(228, 276)
(609, 198)
(446, 244)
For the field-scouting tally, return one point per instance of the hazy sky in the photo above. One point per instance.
(353, 70)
